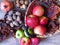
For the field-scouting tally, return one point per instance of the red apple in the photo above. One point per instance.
(43, 20)
(35, 41)
(41, 30)
(25, 41)
(38, 10)
(6, 6)
(31, 21)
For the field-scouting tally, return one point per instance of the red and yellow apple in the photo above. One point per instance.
(41, 30)
(25, 41)
(38, 10)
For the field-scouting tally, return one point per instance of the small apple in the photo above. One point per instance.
(29, 33)
(31, 21)
(43, 20)
(38, 10)
(25, 41)
(41, 30)
(35, 41)
(20, 34)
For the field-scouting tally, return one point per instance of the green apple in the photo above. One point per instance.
(26, 33)
(19, 34)
(29, 32)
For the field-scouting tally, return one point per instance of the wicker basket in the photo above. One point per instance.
(40, 2)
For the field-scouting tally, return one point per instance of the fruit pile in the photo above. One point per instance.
(43, 15)
(37, 20)
(40, 20)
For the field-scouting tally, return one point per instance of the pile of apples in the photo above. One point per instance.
(37, 25)
(37, 20)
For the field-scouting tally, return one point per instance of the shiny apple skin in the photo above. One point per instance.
(19, 34)
(25, 41)
(43, 20)
(38, 10)
(35, 41)
(31, 21)
(41, 30)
